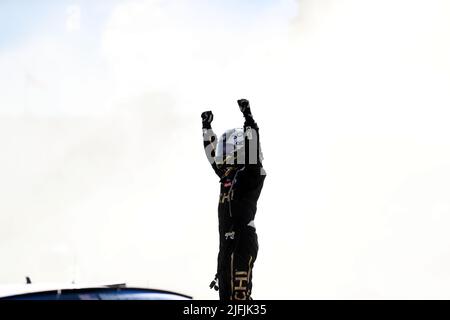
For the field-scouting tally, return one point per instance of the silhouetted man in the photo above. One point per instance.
(237, 160)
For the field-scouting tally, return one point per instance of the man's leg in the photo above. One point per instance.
(242, 260)
(224, 273)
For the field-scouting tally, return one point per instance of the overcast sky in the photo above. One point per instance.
(103, 175)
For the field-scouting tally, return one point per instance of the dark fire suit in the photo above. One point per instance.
(240, 188)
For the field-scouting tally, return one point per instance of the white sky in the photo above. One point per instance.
(104, 176)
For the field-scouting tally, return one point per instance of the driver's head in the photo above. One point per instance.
(230, 150)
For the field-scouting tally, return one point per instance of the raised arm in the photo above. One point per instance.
(252, 137)
(210, 141)
(244, 106)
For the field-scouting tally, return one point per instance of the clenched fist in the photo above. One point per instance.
(207, 117)
(244, 106)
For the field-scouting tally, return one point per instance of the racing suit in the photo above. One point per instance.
(240, 188)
